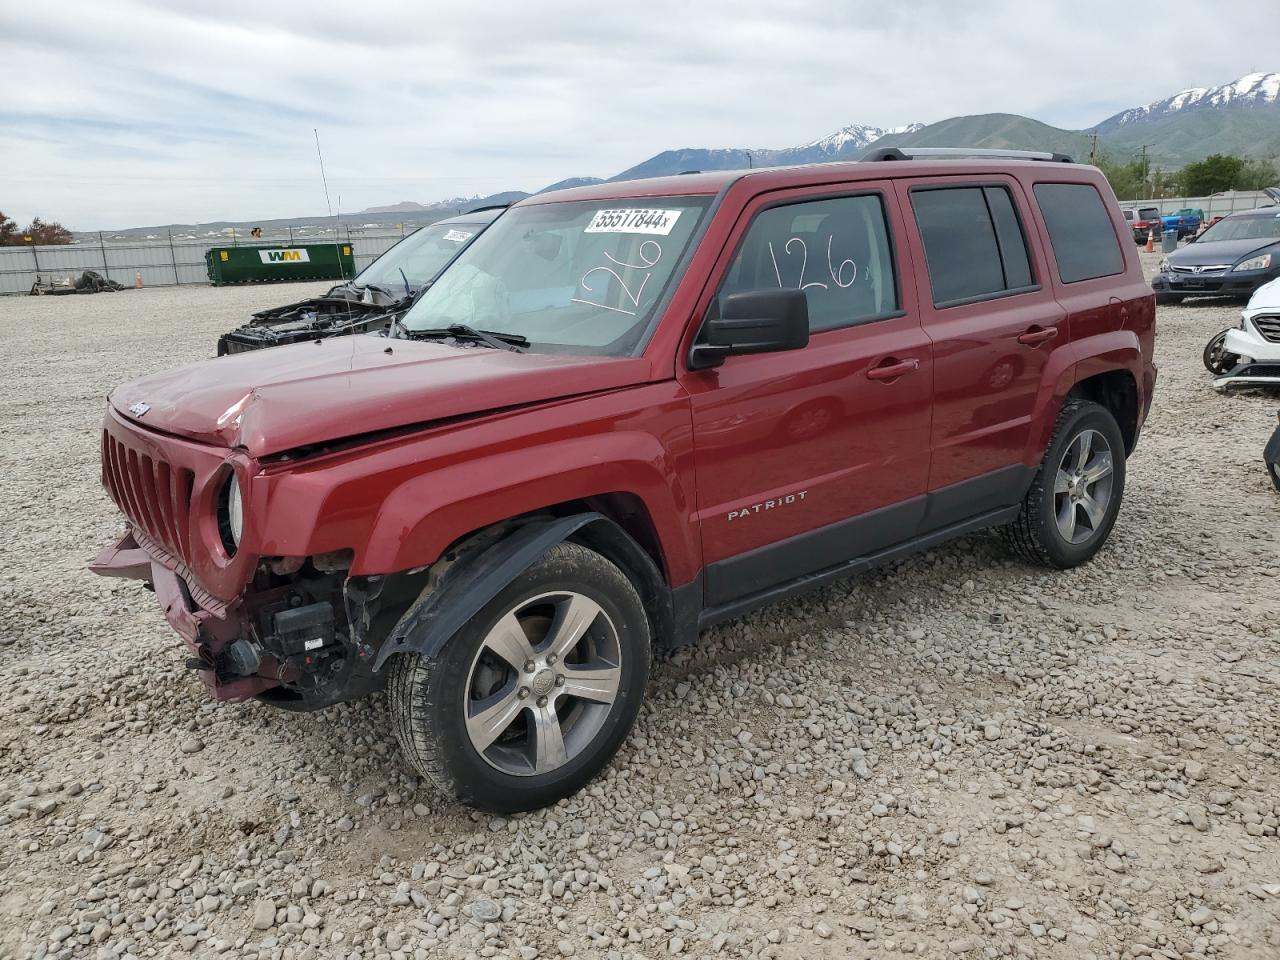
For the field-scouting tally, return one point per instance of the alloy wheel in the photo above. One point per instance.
(542, 683)
(1082, 486)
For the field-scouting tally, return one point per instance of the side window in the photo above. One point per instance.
(837, 251)
(1084, 241)
(973, 242)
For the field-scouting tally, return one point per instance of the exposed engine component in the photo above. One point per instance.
(302, 631)
(335, 314)
(241, 658)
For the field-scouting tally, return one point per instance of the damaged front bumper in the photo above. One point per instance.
(296, 642)
(1259, 363)
(206, 633)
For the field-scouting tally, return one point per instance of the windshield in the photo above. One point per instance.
(575, 277)
(421, 255)
(1149, 213)
(1244, 228)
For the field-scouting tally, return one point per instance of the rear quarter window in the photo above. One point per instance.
(1080, 230)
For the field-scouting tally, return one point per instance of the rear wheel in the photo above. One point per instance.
(1218, 360)
(1071, 507)
(530, 699)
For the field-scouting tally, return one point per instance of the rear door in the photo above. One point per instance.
(808, 457)
(994, 322)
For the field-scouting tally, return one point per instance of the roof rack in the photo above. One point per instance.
(959, 153)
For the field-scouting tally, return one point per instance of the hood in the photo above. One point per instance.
(1204, 253)
(269, 401)
(1265, 300)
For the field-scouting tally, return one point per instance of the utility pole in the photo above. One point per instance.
(1093, 149)
(1144, 165)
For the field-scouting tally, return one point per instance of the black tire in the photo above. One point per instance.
(1271, 455)
(1169, 299)
(1036, 534)
(429, 699)
(1216, 360)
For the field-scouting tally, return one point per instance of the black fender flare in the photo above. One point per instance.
(476, 576)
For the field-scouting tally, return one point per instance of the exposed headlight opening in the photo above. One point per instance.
(231, 515)
(1254, 263)
(1164, 265)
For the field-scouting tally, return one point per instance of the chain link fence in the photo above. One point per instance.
(163, 262)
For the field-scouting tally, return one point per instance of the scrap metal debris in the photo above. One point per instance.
(88, 282)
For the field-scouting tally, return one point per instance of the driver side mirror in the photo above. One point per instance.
(753, 321)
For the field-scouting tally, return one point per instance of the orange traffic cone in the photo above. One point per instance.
(1151, 245)
(137, 277)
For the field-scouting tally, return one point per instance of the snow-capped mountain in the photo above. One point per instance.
(1254, 90)
(855, 137)
(847, 143)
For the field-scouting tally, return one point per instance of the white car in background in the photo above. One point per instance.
(1249, 355)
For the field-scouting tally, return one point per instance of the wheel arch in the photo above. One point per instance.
(473, 570)
(1117, 391)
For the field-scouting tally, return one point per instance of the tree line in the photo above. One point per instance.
(36, 232)
(1134, 180)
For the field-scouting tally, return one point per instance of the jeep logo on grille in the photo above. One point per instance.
(139, 409)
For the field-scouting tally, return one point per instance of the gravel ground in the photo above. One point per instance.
(958, 756)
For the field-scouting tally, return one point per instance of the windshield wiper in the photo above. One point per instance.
(382, 290)
(461, 331)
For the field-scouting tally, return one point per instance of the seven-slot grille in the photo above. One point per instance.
(153, 495)
(1269, 327)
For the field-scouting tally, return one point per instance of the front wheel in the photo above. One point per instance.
(1071, 507)
(1218, 360)
(532, 698)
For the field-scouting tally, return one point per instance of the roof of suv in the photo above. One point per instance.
(712, 182)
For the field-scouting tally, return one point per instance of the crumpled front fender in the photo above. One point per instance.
(1246, 343)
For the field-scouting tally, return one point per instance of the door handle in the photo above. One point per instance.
(1037, 334)
(892, 369)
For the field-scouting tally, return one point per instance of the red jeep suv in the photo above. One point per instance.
(628, 412)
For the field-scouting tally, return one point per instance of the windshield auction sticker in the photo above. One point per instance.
(632, 220)
(457, 236)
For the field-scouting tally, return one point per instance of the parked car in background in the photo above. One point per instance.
(1249, 354)
(1185, 222)
(377, 295)
(1142, 221)
(562, 456)
(1195, 213)
(1234, 257)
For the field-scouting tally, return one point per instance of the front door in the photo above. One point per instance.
(807, 458)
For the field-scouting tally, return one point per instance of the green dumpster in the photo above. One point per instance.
(263, 264)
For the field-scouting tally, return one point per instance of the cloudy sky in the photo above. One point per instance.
(134, 112)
